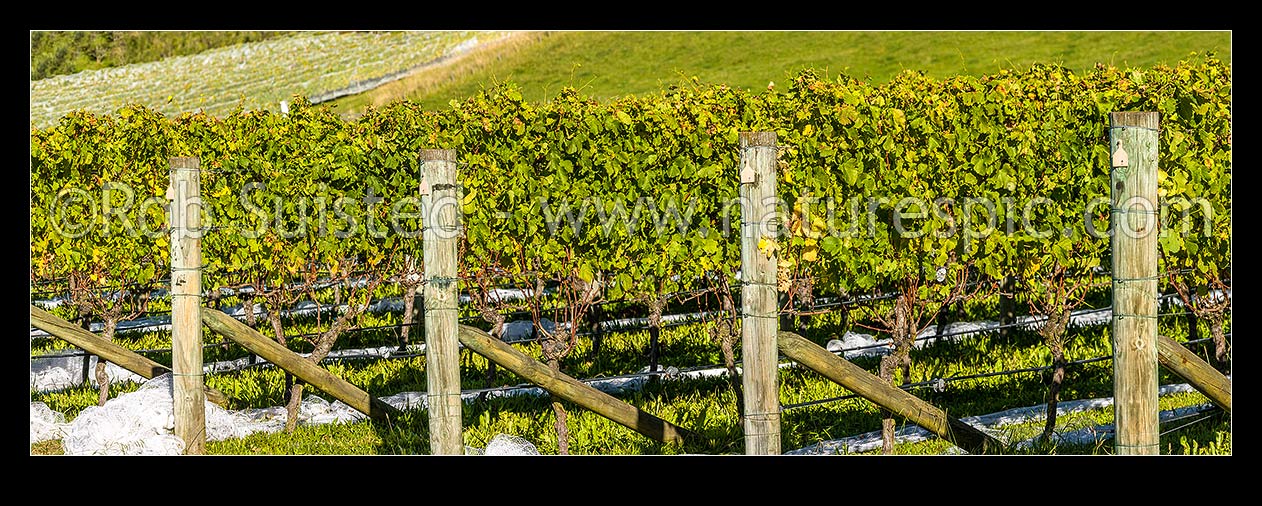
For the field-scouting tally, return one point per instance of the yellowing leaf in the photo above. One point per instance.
(815, 232)
(767, 246)
(810, 254)
(898, 116)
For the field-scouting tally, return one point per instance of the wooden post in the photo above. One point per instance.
(297, 365)
(440, 209)
(1133, 148)
(107, 350)
(759, 313)
(873, 388)
(1202, 376)
(185, 226)
(570, 389)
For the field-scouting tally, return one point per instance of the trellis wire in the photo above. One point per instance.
(624, 329)
(851, 301)
(1204, 415)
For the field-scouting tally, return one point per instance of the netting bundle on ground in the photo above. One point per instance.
(143, 422)
(504, 445)
(137, 423)
(45, 423)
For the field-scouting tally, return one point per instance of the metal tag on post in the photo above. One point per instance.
(170, 196)
(425, 186)
(1120, 159)
(748, 175)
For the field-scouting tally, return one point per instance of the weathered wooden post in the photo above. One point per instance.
(1133, 138)
(440, 210)
(1202, 376)
(93, 344)
(570, 389)
(880, 392)
(185, 227)
(759, 313)
(297, 365)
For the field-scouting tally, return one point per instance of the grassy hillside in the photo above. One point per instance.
(609, 64)
(256, 75)
(66, 52)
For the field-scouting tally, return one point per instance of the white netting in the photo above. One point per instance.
(223, 424)
(45, 423)
(669, 372)
(143, 422)
(53, 378)
(315, 410)
(859, 345)
(56, 373)
(137, 423)
(521, 330)
(504, 445)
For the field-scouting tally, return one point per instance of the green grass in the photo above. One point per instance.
(611, 64)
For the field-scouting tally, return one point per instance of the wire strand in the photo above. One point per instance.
(1212, 412)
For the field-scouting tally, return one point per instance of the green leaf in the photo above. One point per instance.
(585, 272)
(850, 170)
(831, 245)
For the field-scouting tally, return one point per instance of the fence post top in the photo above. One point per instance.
(185, 162)
(1138, 119)
(438, 155)
(751, 139)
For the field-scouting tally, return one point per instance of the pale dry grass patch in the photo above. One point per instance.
(435, 77)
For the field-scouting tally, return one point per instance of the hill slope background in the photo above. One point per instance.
(603, 64)
(607, 64)
(251, 76)
(55, 53)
